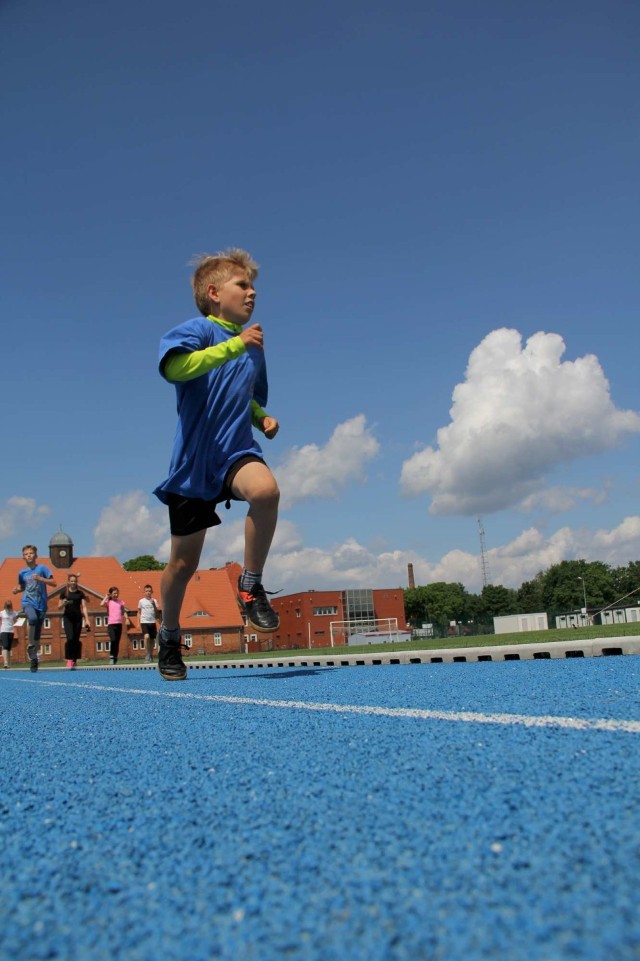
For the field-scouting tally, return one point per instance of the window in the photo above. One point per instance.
(217, 639)
(322, 611)
(298, 612)
(47, 624)
(188, 640)
(200, 614)
(46, 648)
(99, 621)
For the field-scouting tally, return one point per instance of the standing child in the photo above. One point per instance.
(7, 620)
(219, 372)
(33, 579)
(148, 615)
(116, 617)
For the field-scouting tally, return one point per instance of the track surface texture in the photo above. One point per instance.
(467, 812)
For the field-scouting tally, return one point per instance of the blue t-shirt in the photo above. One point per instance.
(35, 592)
(214, 412)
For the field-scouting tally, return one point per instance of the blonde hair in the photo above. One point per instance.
(217, 269)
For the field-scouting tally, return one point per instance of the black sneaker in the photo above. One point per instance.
(34, 665)
(170, 663)
(257, 609)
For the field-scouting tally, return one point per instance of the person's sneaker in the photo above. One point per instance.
(257, 609)
(70, 665)
(170, 663)
(34, 665)
(112, 660)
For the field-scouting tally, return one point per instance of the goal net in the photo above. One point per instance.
(372, 631)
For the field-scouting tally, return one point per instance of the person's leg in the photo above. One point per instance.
(255, 484)
(67, 623)
(148, 645)
(76, 643)
(183, 563)
(6, 648)
(35, 619)
(115, 642)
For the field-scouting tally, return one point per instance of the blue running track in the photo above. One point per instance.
(463, 812)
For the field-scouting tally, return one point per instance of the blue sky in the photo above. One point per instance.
(444, 202)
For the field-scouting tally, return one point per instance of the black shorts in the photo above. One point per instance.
(188, 515)
(150, 629)
(7, 641)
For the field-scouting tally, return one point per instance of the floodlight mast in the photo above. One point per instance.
(484, 560)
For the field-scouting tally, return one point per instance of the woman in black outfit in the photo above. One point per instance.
(74, 602)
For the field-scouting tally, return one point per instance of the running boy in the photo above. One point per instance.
(148, 614)
(33, 580)
(219, 371)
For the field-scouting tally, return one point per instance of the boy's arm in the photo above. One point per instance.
(261, 420)
(183, 367)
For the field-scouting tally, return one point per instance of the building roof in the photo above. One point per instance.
(210, 598)
(60, 539)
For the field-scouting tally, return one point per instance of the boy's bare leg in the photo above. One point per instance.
(255, 484)
(183, 563)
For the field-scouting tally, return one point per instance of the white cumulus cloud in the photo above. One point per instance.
(520, 412)
(315, 471)
(129, 526)
(19, 512)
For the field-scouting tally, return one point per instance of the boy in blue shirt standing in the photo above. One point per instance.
(219, 371)
(33, 580)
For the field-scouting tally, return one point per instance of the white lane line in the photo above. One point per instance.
(421, 714)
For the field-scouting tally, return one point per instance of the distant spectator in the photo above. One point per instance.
(7, 620)
(116, 617)
(33, 580)
(148, 615)
(73, 602)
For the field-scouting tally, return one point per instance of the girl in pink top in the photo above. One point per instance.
(116, 617)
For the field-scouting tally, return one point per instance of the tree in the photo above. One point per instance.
(626, 581)
(436, 603)
(531, 595)
(566, 584)
(144, 562)
(497, 600)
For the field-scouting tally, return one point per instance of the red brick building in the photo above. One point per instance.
(306, 617)
(211, 620)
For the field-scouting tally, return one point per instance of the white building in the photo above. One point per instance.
(517, 623)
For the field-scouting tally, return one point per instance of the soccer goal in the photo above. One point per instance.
(382, 630)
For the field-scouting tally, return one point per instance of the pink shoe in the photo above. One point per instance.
(69, 664)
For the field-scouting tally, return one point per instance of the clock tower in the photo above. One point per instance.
(61, 550)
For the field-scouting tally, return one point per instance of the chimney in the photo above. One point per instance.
(412, 582)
